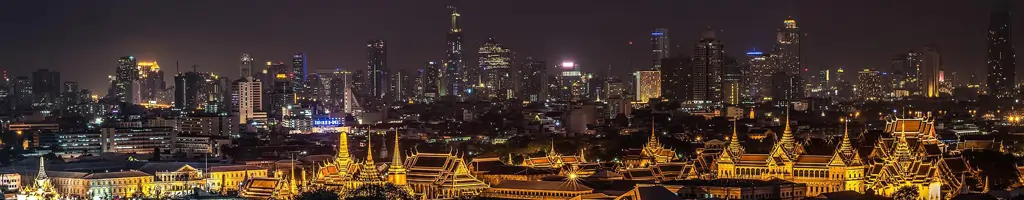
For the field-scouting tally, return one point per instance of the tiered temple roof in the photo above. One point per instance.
(441, 175)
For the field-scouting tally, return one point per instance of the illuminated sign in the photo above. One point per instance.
(754, 53)
(657, 34)
(329, 121)
(568, 64)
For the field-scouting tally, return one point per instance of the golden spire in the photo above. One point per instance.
(846, 147)
(369, 149)
(551, 152)
(397, 157)
(734, 142)
(343, 156)
(787, 134)
(653, 141)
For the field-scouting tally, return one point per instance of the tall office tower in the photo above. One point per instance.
(400, 88)
(298, 73)
(454, 79)
(660, 46)
(186, 90)
(246, 98)
(569, 84)
(788, 61)
(376, 68)
(708, 61)
(1002, 74)
(45, 88)
(431, 81)
(23, 90)
(360, 86)
(531, 79)
(340, 89)
(6, 96)
(870, 85)
(281, 94)
(247, 66)
(151, 83)
(931, 63)
(127, 73)
(675, 82)
(496, 61)
(759, 76)
(733, 90)
(648, 85)
(70, 95)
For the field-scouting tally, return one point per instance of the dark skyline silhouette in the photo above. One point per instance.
(83, 39)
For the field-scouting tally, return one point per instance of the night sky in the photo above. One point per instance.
(83, 39)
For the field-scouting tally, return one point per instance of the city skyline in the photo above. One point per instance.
(336, 32)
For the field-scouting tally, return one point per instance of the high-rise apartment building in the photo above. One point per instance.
(400, 88)
(496, 62)
(45, 88)
(126, 74)
(298, 73)
(708, 62)
(22, 93)
(376, 68)
(675, 81)
(931, 64)
(531, 82)
(758, 76)
(246, 98)
(431, 81)
(870, 85)
(152, 89)
(454, 78)
(648, 85)
(660, 46)
(1001, 61)
(787, 59)
(247, 66)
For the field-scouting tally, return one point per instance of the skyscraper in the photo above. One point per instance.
(675, 78)
(870, 85)
(531, 83)
(708, 61)
(661, 46)
(431, 81)
(45, 87)
(126, 74)
(298, 73)
(151, 81)
(22, 93)
(788, 61)
(247, 66)
(246, 98)
(376, 68)
(186, 90)
(759, 76)
(496, 61)
(454, 80)
(400, 88)
(732, 79)
(931, 63)
(1001, 63)
(648, 85)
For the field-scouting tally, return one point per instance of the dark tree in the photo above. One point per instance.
(905, 193)
(319, 194)
(374, 191)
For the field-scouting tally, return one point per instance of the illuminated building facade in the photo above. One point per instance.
(153, 88)
(247, 66)
(246, 98)
(652, 153)
(376, 69)
(298, 73)
(841, 171)
(648, 85)
(931, 64)
(871, 85)
(136, 140)
(430, 82)
(400, 86)
(661, 46)
(708, 62)
(1001, 61)
(453, 81)
(496, 61)
(209, 125)
(788, 61)
(126, 74)
(42, 187)
(908, 154)
(759, 76)
(906, 73)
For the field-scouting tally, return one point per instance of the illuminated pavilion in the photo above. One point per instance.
(652, 153)
(841, 171)
(41, 189)
(909, 155)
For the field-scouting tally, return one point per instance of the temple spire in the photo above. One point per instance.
(653, 141)
(42, 169)
(396, 172)
(397, 157)
(343, 156)
(787, 134)
(846, 147)
(369, 150)
(734, 142)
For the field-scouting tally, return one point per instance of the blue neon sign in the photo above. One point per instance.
(327, 122)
